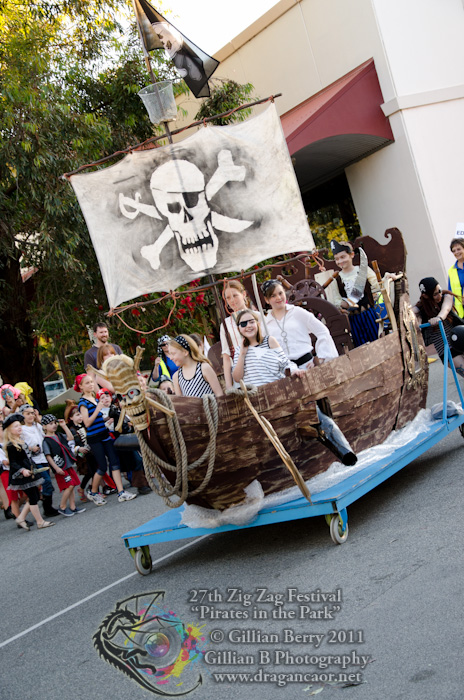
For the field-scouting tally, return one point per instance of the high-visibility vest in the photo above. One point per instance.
(164, 368)
(456, 289)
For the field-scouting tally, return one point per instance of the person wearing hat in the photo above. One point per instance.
(59, 452)
(363, 316)
(26, 391)
(9, 395)
(435, 305)
(22, 473)
(164, 366)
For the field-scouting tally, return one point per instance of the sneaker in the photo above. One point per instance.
(96, 498)
(144, 490)
(77, 510)
(67, 512)
(107, 491)
(126, 496)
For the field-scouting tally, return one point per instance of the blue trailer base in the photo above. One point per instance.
(331, 503)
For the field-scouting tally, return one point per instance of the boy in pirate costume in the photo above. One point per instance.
(58, 450)
(358, 292)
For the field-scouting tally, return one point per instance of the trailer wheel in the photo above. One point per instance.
(143, 561)
(336, 532)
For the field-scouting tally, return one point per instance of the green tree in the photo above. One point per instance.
(69, 78)
(68, 84)
(226, 95)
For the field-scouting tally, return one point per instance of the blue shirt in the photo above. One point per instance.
(98, 430)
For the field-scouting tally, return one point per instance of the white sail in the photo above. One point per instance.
(221, 200)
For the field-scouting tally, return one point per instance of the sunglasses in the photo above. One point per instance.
(244, 324)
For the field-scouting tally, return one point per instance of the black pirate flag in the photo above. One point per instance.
(192, 64)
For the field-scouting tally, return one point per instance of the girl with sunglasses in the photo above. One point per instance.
(195, 376)
(292, 326)
(435, 305)
(164, 366)
(258, 360)
(236, 298)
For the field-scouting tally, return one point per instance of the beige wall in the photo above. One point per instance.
(387, 193)
(298, 48)
(423, 43)
(301, 46)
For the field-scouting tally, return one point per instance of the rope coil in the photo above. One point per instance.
(154, 464)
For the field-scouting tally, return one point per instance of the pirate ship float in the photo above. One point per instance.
(370, 391)
(214, 449)
(218, 447)
(221, 200)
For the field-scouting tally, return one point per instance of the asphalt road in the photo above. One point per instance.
(398, 581)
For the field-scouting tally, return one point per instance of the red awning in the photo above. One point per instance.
(338, 126)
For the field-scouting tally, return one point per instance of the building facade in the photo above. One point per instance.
(372, 90)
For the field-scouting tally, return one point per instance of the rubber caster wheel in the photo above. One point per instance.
(461, 429)
(336, 532)
(143, 562)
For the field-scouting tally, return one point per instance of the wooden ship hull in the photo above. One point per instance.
(371, 390)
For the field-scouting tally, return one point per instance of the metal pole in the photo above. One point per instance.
(151, 74)
(258, 301)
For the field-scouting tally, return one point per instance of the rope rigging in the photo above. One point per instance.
(176, 494)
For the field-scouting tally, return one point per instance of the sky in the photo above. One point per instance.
(212, 23)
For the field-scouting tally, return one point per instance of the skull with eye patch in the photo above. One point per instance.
(121, 371)
(182, 199)
(178, 188)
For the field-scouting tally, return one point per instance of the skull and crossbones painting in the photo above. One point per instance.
(187, 64)
(217, 201)
(183, 200)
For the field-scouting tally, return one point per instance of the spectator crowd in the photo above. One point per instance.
(78, 456)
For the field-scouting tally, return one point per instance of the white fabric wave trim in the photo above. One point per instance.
(246, 512)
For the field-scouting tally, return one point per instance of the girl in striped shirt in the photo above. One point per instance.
(259, 360)
(195, 376)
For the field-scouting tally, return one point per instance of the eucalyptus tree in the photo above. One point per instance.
(70, 71)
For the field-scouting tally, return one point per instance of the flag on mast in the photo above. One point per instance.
(193, 65)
